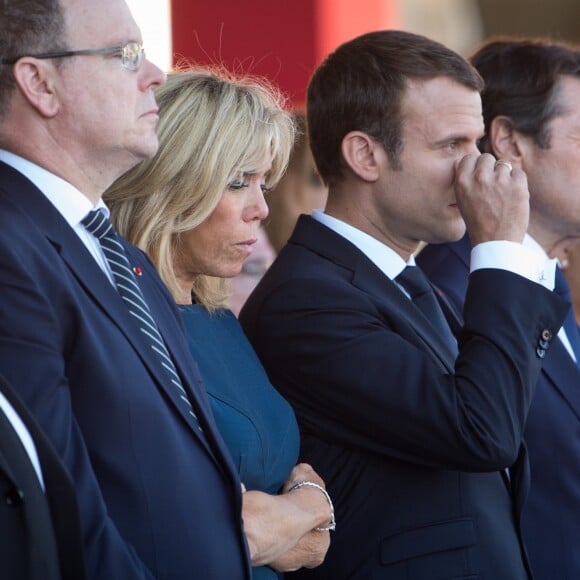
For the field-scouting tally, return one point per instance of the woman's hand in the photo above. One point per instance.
(280, 528)
(308, 552)
(302, 472)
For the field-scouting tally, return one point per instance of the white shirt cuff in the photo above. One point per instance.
(516, 258)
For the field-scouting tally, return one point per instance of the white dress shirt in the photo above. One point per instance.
(23, 434)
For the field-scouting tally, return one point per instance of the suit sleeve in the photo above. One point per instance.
(356, 376)
(33, 358)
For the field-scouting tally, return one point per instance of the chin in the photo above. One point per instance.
(456, 231)
(150, 151)
(228, 273)
(450, 235)
(456, 236)
(145, 147)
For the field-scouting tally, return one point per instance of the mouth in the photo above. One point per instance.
(247, 243)
(246, 246)
(152, 113)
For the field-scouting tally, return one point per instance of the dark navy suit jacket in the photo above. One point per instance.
(412, 454)
(40, 529)
(156, 499)
(551, 521)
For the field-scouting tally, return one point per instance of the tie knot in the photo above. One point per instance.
(97, 223)
(414, 281)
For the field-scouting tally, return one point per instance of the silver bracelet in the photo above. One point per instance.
(332, 526)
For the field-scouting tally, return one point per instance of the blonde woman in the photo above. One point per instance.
(195, 209)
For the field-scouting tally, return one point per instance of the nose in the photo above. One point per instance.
(263, 207)
(151, 76)
(257, 208)
(474, 150)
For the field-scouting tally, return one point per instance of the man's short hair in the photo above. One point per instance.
(27, 27)
(522, 80)
(360, 87)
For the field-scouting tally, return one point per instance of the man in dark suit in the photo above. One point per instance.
(88, 332)
(39, 518)
(412, 440)
(531, 106)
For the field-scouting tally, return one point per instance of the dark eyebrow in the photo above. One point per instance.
(459, 138)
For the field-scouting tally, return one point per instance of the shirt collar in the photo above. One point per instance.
(67, 199)
(385, 258)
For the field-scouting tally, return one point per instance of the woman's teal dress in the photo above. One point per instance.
(257, 424)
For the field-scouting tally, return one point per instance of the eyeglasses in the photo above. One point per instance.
(132, 54)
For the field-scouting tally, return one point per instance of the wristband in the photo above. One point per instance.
(332, 526)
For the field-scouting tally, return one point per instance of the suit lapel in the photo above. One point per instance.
(564, 375)
(370, 279)
(94, 282)
(404, 317)
(182, 359)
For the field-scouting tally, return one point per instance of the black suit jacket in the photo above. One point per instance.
(550, 522)
(40, 530)
(412, 444)
(157, 499)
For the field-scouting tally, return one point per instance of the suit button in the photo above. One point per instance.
(14, 497)
(541, 352)
(544, 344)
(546, 334)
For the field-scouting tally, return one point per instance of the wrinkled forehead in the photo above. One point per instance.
(98, 23)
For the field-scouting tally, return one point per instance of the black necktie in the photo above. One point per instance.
(422, 294)
(97, 223)
(570, 326)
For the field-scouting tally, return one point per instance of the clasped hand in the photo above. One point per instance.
(493, 198)
(280, 529)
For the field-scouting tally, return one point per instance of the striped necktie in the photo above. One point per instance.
(97, 223)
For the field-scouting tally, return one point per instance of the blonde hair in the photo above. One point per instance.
(212, 128)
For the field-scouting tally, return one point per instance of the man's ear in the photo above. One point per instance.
(36, 80)
(360, 154)
(505, 140)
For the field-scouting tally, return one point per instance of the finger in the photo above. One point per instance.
(466, 163)
(503, 165)
(485, 162)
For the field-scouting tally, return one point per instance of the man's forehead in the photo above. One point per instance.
(99, 22)
(440, 109)
(438, 94)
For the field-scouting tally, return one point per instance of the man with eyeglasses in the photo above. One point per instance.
(88, 333)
